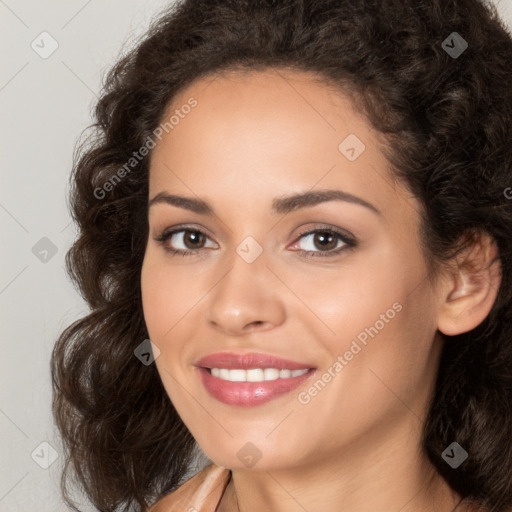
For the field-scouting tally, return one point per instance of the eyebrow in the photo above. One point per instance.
(280, 205)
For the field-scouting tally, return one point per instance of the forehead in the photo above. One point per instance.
(265, 133)
(268, 112)
(267, 98)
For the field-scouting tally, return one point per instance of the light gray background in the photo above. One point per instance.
(45, 104)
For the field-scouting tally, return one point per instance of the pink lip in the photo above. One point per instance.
(231, 360)
(247, 394)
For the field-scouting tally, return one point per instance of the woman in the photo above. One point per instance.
(295, 243)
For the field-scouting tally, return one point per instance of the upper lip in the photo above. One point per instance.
(247, 361)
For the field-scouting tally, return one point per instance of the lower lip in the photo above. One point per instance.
(248, 394)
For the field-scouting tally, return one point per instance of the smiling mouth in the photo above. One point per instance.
(253, 386)
(255, 374)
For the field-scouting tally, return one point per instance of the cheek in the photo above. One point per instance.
(389, 354)
(377, 314)
(384, 369)
(352, 296)
(155, 303)
(169, 293)
(166, 299)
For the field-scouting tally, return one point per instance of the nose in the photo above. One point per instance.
(246, 299)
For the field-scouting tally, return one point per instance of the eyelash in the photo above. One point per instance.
(349, 242)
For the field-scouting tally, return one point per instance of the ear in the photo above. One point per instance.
(467, 292)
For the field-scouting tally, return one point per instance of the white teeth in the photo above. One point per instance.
(255, 374)
(271, 374)
(237, 375)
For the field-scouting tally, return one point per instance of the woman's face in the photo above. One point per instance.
(271, 275)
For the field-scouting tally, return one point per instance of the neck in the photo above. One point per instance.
(367, 476)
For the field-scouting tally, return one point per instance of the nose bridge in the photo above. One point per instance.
(245, 296)
(246, 265)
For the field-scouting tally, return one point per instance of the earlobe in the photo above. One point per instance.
(468, 292)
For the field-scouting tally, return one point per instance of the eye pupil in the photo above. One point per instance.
(326, 240)
(193, 236)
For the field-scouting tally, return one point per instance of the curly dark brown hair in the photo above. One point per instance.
(447, 120)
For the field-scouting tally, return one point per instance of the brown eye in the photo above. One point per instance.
(193, 239)
(324, 243)
(184, 241)
(325, 240)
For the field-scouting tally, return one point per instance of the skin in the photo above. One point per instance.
(355, 446)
